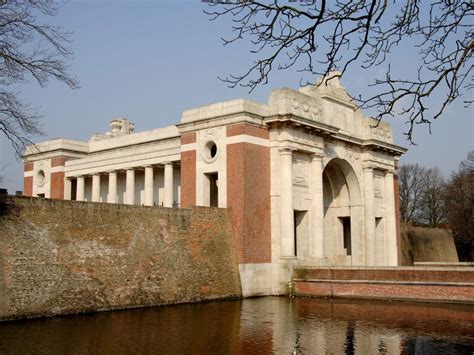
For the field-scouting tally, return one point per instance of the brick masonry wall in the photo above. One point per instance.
(188, 178)
(188, 138)
(60, 257)
(248, 129)
(28, 167)
(58, 161)
(28, 186)
(57, 186)
(421, 284)
(248, 195)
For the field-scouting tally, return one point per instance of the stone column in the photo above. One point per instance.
(67, 188)
(80, 188)
(130, 187)
(96, 188)
(148, 186)
(369, 216)
(390, 221)
(317, 207)
(112, 195)
(168, 200)
(287, 237)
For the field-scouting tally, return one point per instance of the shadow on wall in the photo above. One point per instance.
(422, 244)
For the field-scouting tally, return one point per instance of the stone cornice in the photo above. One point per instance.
(224, 120)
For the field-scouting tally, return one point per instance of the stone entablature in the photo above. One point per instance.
(310, 180)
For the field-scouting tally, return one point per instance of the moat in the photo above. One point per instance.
(269, 325)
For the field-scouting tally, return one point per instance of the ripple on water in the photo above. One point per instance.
(269, 325)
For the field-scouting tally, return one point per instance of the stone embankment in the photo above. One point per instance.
(60, 257)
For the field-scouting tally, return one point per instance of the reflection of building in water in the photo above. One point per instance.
(310, 180)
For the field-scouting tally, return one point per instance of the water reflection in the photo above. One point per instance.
(254, 326)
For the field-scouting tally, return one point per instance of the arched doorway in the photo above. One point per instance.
(343, 214)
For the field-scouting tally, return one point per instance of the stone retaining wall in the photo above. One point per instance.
(59, 257)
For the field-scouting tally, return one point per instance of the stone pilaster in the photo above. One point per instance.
(67, 188)
(317, 208)
(287, 236)
(391, 247)
(369, 218)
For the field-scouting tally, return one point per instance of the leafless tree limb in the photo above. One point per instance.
(319, 36)
(28, 50)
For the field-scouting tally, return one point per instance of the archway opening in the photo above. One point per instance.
(342, 213)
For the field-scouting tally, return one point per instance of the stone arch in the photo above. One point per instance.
(343, 213)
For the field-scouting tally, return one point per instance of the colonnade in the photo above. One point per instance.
(129, 198)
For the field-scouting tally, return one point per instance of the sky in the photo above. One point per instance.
(151, 60)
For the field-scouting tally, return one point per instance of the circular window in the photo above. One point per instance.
(210, 151)
(40, 177)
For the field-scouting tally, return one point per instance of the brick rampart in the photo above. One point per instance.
(59, 257)
(455, 285)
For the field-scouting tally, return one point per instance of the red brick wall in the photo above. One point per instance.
(57, 186)
(423, 284)
(420, 292)
(28, 167)
(464, 275)
(28, 186)
(245, 128)
(58, 161)
(187, 138)
(248, 195)
(188, 178)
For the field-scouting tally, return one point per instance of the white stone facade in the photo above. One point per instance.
(330, 177)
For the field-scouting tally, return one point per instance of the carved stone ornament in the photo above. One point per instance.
(381, 133)
(210, 142)
(306, 107)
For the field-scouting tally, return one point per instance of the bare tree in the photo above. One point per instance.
(431, 211)
(320, 36)
(459, 197)
(411, 179)
(28, 50)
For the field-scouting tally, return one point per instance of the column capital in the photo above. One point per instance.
(367, 168)
(286, 150)
(390, 172)
(317, 156)
(167, 163)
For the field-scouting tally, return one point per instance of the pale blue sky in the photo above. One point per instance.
(150, 60)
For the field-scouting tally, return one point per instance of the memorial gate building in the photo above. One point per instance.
(309, 179)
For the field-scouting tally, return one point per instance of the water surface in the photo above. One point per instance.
(270, 325)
